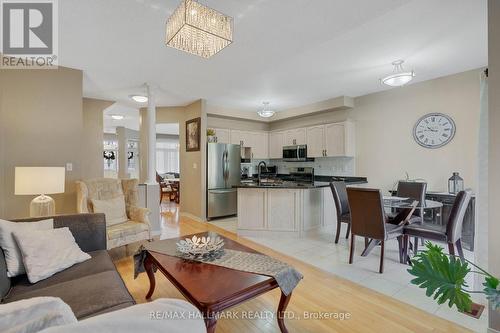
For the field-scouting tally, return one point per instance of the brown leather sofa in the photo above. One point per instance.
(90, 288)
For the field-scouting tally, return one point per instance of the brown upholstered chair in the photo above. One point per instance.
(164, 187)
(451, 233)
(339, 192)
(368, 219)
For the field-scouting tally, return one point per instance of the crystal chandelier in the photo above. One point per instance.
(198, 29)
(266, 112)
(399, 77)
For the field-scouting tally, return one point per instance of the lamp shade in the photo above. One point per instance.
(39, 180)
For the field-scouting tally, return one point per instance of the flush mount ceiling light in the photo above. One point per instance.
(139, 98)
(117, 116)
(266, 112)
(399, 77)
(198, 29)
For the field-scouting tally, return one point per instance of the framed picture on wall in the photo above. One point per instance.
(193, 134)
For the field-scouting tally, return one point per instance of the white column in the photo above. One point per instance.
(151, 179)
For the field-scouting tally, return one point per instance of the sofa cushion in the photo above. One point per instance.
(47, 252)
(87, 295)
(114, 209)
(126, 229)
(100, 262)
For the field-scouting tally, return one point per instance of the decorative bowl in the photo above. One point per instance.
(200, 246)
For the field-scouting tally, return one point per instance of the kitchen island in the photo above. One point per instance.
(287, 208)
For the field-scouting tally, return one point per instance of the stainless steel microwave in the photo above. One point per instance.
(295, 153)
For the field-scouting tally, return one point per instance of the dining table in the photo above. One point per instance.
(394, 203)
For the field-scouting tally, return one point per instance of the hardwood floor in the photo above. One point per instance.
(319, 292)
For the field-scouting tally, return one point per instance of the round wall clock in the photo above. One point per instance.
(434, 130)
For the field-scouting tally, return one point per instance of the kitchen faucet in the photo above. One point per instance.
(258, 168)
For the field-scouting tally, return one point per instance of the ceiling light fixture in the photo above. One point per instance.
(399, 77)
(117, 116)
(198, 29)
(266, 112)
(139, 98)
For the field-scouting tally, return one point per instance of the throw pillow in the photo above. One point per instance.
(9, 246)
(114, 209)
(35, 314)
(46, 252)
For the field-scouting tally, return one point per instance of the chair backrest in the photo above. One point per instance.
(367, 212)
(456, 219)
(413, 190)
(339, 192)
(159, 179)
(104, 189)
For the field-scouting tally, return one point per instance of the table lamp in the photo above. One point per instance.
(42, 181)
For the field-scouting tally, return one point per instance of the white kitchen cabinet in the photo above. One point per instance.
(329, 208)
(252, 209)
(340, 139)
(295, 136)
(315, 140)
(258, 141)
(223, 135)
(284, 214)
(260, 145)
(276, 143)
(242, 138)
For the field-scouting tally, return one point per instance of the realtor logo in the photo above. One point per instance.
(29, 33)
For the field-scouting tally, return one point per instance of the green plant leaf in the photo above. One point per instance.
(491, 286)
(442, 277)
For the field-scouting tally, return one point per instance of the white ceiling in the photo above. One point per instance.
(288, 52)
(130, 120)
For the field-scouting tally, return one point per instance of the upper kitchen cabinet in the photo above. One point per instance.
(240, 138)
(260, 145)
(258, 141)
(340, 139)
(315, 139)
(295, 136)
(276, 143)
(223, 135)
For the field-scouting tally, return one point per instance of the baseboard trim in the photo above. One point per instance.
(491, 330)
(192, 217)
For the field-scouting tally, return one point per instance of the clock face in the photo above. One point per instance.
(434, 130)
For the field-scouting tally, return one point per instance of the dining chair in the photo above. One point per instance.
(164, 187)
(368, 219)
(339, 192)
(451, 233)
(414, 191)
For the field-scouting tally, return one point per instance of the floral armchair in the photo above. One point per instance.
(137, 227)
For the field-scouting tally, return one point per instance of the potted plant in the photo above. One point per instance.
(211, 135)
(443, 277)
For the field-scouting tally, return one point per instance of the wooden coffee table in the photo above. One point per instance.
(212, 289)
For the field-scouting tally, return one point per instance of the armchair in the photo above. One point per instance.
(137, 227)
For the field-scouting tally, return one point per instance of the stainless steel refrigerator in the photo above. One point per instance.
(223, 171)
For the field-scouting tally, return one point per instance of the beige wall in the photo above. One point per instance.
(214, 121)
(385, 148)
(315, 119)
(494, 144)
(42, 125)
(192, 164)
(93, 136)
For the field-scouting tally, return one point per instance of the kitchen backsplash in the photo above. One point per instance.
(323, 166)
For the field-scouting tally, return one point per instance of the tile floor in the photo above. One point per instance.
(319, 250)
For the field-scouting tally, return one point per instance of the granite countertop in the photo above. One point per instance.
(284, 185)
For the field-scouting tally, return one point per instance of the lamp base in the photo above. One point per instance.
(42, 205)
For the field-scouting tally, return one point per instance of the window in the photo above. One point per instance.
(167, 155)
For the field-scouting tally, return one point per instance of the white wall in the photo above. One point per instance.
(385, 148)
(494, 144)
